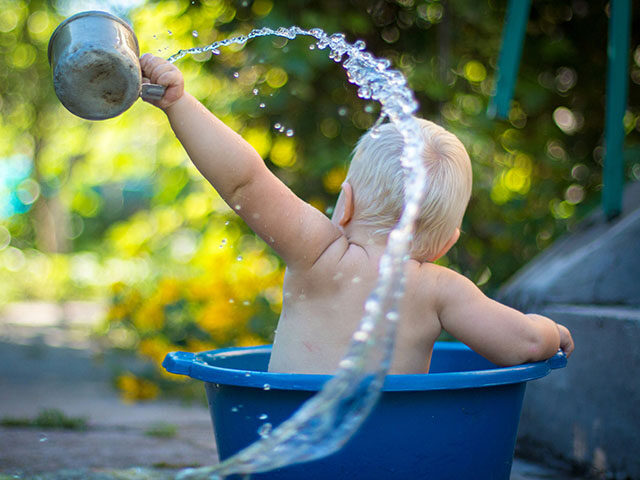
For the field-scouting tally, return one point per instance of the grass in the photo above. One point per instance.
(162, 430)
(50, 418)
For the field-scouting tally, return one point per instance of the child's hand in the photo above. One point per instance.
(566, 341)
(159, 71)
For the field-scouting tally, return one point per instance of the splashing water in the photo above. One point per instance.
(326, 421)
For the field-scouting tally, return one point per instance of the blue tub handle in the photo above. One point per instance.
(179, 362)
(559, 360)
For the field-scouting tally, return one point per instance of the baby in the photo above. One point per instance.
(332, 264)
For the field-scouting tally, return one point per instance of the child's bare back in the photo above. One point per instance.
(332, 264)
(323, 306)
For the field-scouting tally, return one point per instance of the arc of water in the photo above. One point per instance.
(326, 421)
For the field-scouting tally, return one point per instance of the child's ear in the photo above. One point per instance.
(450, 243)
(347, 204)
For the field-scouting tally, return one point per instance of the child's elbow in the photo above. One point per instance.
(541, 348)
(532, 349)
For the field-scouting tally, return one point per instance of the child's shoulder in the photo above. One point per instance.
(430, 270)
(436, 281)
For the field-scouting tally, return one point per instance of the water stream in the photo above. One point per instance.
(327, 420)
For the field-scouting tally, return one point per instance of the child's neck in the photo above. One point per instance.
(365, 237)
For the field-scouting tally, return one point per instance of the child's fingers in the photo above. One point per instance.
(145, 62)
(156, 69)
(169, 78)
(566, 340)
(159, 71)
(152, 67)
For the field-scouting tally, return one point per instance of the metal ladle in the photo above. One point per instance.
(96, 69)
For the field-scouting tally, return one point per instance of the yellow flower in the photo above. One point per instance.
(150, 316)
(168, 291)
(195, 346)
(133, 389)
(116, 313)
(249, 340)
(154, 348)
(222, 318)
(118, 288)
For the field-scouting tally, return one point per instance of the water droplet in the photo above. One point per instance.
(247, 374)
(239, 258)
(155, 37)
(359, 44)
(281, 129)
(265, 430)
(234, 409)
(312, 47)
(266, 386)
(262, 105)
(369, 108)
(346, 363)
(227, 222)
(169, 32)
(236, 74)
(342, 111)
(246, 302)
(255, 91)
(43, 438)
(238, 207)
(264, 416)
(195, 33)
(231, 300)
(393, 316)
(277, 126)
(290, 133)
(360, 336)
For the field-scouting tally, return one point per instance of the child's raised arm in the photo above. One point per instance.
(294, 229)
(500, 333)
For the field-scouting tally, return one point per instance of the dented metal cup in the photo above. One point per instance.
(96, 69)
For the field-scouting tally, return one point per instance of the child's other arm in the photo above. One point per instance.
(500, 333)
(294, 229)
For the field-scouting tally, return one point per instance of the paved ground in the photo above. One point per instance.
(49, 364)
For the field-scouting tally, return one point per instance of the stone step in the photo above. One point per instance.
(587, 413)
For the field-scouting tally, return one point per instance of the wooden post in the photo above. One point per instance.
(617, 72)
(515, 27)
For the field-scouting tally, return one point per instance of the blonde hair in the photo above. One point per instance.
(377, 178)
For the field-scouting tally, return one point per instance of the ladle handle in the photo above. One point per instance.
(151, 91)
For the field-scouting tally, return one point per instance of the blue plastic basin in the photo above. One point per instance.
(458, 422)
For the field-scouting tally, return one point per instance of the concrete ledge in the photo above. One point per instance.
(596, 264)
(587, 413)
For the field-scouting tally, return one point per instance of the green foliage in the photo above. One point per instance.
(50, 418)
(162, 430)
